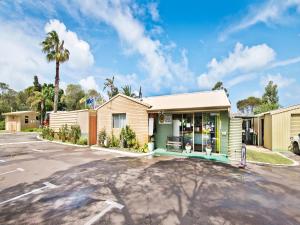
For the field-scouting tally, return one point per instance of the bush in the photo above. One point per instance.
(32, 130)
(114, 142)
(144, 148)
(74, 134)
(128, 138)
(82, 141)
(48, 133)
(2, 125)
(102, 137)
(63, 133)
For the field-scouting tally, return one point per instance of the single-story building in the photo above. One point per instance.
(199, 119)
(275, 128)
(85, 118)
(17, 121)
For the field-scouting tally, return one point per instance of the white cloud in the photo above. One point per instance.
(285, 62)
(271, 12)
(153, 11)
(239, 79)
(80, 54)
(278, 79)
(243, 59)
(21, 56)
(132, 32)
(89, 83)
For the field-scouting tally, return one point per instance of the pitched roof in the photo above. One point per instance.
(196, 100)
(281, 110)
(18, 113)
(125, 96)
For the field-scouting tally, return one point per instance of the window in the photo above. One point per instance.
(119, 120)
(36, 118)
(26, 119)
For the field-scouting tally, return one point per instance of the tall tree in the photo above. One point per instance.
(126, 90)
(55, 51)
(112, 90)
(248, 105)
(8, 99)
(36, 84)
(219, 86)
(73, 96)
(270, 99)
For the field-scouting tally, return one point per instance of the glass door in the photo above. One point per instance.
(187, 124)
(210, 130)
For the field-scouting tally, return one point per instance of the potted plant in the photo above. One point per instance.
(208, 149)
(151, 145)
(188, 147)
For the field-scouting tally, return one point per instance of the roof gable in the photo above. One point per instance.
(127, 97)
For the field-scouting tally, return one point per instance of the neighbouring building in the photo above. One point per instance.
(86, 119)
(275, 128)
(20, 120)
(197, 119)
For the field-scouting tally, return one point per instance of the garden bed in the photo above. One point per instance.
(122, 151)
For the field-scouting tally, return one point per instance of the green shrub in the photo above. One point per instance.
(63, 133)
(144, 148)
(2, 125)
(82, 141)
(47, 133)
(102, 136)
(114, 142)
(32, 130)
(128, 138)
(74, 134)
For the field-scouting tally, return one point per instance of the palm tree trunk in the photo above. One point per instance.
(42, 112)
(56, 88)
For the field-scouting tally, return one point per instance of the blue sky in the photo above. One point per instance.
(164, 46)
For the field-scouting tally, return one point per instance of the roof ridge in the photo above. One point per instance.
(185, 93)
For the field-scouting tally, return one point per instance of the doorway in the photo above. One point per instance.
(262, 132)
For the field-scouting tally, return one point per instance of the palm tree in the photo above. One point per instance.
(55, 51)
(109, 84)
(126, 90)
(40, 98)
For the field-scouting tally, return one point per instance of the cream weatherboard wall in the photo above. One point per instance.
(279, 127)
(78, 117)
(136, 117)
(295, 125)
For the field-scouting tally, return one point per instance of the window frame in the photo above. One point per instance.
(26, 119)
(121, 125)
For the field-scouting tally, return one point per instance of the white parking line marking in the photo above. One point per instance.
(12, 171)
(18, 143)
(37, 150)
(47, 185)
(111, 205)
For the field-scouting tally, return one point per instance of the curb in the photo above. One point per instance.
(63, 143)
(295, 163)
(131, 154)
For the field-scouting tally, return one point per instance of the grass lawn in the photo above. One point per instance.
(273, 158)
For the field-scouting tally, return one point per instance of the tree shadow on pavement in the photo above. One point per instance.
(154, 191)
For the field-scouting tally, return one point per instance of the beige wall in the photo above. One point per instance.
(268, 131)
(136, 117)
(17, 122)
(79, 117)
(282, 129)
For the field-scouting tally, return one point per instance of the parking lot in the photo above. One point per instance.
(47, 183)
